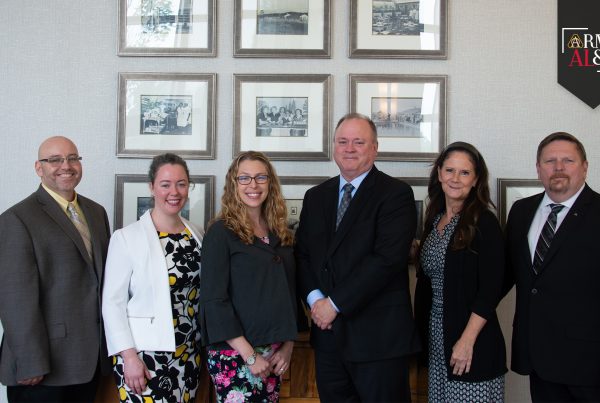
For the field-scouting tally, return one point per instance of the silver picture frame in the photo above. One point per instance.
(133, 198)
(154, 28)
(398, 29)
(296, 125)
(282, 28)
(166, 112)
(293, 189)
(419, 187)
(408, 110)
(510, 190)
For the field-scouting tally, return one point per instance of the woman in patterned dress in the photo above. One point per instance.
(151, 295)
(460, 281)
(248, 302)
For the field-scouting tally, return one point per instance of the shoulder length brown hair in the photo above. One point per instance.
(474, 205)
(234, 212)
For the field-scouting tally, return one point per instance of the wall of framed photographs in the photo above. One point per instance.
(61, 61)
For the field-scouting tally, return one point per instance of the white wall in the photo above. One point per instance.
(58, 75)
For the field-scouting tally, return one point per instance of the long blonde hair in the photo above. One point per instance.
(234, 212)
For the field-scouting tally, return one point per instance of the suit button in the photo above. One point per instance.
(534, 291)
(277, 258)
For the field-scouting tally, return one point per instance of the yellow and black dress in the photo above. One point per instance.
(175, 375)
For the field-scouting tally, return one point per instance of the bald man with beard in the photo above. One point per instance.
(53, 248)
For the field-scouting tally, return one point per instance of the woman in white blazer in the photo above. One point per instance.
(151, 294)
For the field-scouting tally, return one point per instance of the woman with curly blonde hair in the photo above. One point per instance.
(248, 301)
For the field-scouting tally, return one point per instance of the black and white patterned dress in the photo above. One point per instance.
(175, 375)
(441, 389)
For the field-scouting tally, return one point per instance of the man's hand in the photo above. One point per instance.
(323, 313)
(31, 381)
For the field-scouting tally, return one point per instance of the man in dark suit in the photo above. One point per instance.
(355, 277)
(53, 247)
(552, 255)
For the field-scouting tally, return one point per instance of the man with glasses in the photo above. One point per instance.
(53, 246)
(352, 261)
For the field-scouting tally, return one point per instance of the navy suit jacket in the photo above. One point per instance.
(556, 329)
(363, 266)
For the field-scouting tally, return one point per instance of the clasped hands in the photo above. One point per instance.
(323, 313)
(276, 364)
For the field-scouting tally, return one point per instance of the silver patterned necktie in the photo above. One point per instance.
(81, 227)
(346, 197)
(545, 239)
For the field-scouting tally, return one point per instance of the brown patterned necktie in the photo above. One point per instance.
(346, 197)
(545, 239)
(81, 227)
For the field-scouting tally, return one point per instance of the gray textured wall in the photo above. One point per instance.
(58, 75)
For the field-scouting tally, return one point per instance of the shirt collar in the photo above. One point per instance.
(546, 200)
(62, 202)
(355, 182)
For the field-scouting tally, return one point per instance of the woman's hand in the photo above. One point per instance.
(462, 354)
(280, 360)
(135, 371)
(462, 351)
(261, 367)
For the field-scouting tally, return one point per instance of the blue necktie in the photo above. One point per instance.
(346, 197)
(546, 236)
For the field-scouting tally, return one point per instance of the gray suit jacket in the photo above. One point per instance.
(50, 292)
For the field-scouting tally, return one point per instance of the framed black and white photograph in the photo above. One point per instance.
(511, 190)
(167, 28)
(133, 199)
(293, 189)
(282, 28)
(419, 187)
(407, 29)
(166, 112)
(282, 116)
(285, 116)
(409, 112)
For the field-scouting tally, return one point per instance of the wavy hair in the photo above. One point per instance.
(476, 202)
(234, 212)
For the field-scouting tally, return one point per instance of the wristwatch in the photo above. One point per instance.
(251, 359)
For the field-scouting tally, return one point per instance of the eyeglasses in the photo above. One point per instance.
(58, 161)
(246, 180)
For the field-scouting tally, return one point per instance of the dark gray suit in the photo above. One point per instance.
(50, 292)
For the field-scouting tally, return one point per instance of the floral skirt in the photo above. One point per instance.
(174, 379)
(235, 383)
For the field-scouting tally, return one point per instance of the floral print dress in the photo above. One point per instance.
(441, 389)
(175, 375)
(235, 383)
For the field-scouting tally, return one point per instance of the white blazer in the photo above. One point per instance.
(136, 298)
